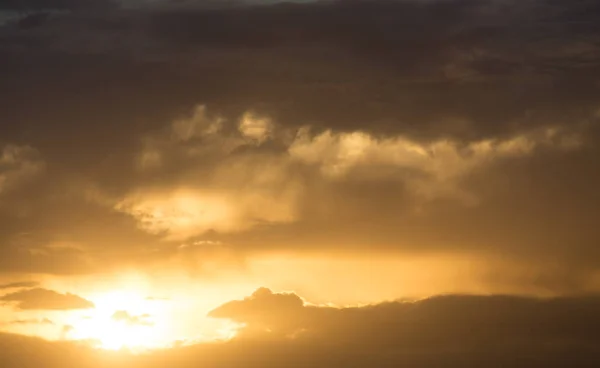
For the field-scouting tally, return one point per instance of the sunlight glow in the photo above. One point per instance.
(145, 329)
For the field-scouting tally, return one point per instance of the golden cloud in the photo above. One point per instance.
(231, 185)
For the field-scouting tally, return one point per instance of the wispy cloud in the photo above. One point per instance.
(44, 299)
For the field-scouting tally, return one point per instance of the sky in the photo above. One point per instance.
(307, 183)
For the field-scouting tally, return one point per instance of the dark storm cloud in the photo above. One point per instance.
(45, 299)
(89, 90)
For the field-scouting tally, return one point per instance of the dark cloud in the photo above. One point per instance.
(276, 313)
(432, 63)
(437, 127)
(452, 330)
(438, 325)
(33, 5)
(20, 284)
(45, 299)
(427, 71)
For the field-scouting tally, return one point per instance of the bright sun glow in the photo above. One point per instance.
(123, 319)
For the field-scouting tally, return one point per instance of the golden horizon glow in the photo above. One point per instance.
(140, 311)
(112, 334)
(126, 318)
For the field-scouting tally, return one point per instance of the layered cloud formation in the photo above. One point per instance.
(283, 330)
(307, 144)
(140, 129)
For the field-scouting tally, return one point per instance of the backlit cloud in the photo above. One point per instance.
(18, 164)
(19, 285)
(220, 180)
(125, 317)
(41, 321)
(45, 299)
(255, 128)
(431, 169)
(470, 322)
(352, 151)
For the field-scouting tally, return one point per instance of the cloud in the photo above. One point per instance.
(42, 321)
(443, 322)
(329, 128)
(194, 128)
(275, 313)
(44, 299)
(182, 214)
(241, 188)
(124, 316)
(431, 169)
(228, 182)
(157, 299)
(255, 129)
(17, 165)
(456, 330)
(33, 5)
(20, 284)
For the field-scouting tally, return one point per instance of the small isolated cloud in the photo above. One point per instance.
(200, 244)
(20, 285)
(125, 317)
(38, 321)
(256, 129)
(65, 331)
(198, 125)
(157, 298)
(44, 299)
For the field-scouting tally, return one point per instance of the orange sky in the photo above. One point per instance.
(188, 173)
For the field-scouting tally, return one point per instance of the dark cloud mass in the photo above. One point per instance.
(33, 5)
(189, 138)
(45, 299)
(205, 136)
(452, 321)
(501, 98)
(452, 330)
